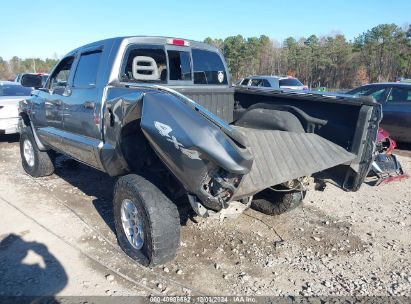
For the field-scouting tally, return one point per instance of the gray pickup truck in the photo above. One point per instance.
(160, 113)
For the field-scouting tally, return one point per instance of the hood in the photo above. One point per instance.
(11, 100)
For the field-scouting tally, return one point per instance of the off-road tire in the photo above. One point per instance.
(43, 160)
(160, 217)
(276, 203)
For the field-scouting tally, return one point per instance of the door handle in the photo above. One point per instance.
(89, 105)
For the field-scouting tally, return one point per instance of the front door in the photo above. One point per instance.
(56, 93)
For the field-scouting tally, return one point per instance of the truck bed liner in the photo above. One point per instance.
(280, 156)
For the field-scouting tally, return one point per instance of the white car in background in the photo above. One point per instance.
(274, 82)
(11, 93)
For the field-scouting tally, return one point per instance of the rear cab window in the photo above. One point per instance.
(208, 68)
(150, 64)
(172, 65)
(180, 65)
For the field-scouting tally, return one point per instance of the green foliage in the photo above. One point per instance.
(9, 69)
(385, 51)
(380, 54)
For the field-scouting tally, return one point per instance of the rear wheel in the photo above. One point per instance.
(35, 162)
(147, 222)
(275, 203)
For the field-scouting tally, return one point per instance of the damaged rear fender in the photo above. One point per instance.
(191, 145)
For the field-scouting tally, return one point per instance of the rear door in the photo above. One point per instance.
(397, 113)
(81, 122)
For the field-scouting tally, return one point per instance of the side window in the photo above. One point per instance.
(87, 68)
(400, 95)
(151, 54)
(266, 83)
(378, 94)
(208, 68)
(180, 65)
(61, 74)
(257, 82)
(245, 81)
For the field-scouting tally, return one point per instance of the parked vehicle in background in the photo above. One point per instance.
(44, 77)
(11, 93)
(274, 82)
(160, 113)
(395, 98)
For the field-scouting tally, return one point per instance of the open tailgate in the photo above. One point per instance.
(281, 156)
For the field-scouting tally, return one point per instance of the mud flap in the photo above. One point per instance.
(280, 156)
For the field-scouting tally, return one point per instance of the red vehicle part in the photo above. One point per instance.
(387, 143)
(385, 166)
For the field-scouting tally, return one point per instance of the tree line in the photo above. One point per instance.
(382, 53)
(16, 65)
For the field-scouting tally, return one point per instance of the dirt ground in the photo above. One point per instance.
(56, 237)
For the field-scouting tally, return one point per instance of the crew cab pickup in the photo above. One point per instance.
(160, 114)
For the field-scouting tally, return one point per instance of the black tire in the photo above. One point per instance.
(42, 161)
(160, 217)
(275, 203)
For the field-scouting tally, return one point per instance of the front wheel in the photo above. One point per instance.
(147, 222)
(35, 162)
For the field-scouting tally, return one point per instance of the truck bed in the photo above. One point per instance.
(336, 132)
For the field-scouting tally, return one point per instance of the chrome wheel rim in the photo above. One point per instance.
(28, 152)
(132, 224)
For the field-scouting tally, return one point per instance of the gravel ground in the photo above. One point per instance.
(337, 243)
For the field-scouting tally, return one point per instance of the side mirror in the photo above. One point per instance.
(31, 81)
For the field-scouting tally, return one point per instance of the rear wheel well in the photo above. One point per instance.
(143, 160)
(25, 118)
(134, 146)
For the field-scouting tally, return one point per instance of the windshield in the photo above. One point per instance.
(14, 90)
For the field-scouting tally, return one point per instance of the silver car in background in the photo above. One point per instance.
(274, 82)
(11, 93)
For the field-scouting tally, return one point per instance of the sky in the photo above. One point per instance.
(46, 28)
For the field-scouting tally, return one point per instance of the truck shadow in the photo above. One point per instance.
(29, 269)
(99, 185)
